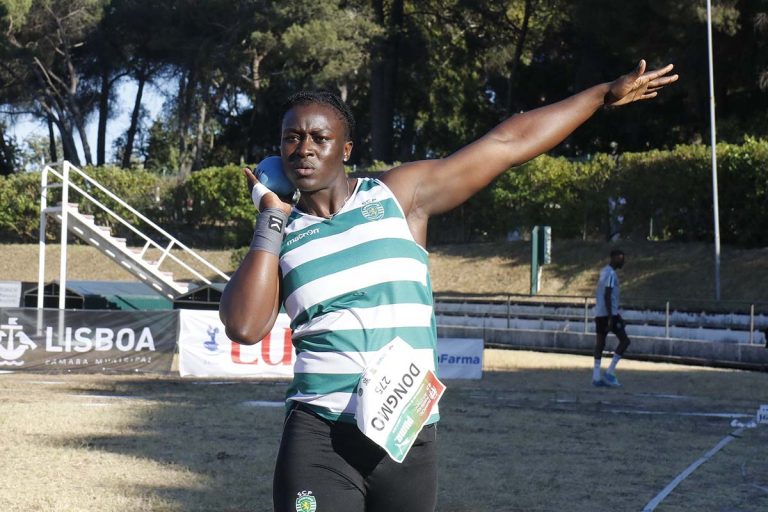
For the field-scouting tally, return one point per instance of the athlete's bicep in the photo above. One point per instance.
(250, 301)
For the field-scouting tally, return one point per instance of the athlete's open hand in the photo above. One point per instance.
(268, 199)
(639, 85)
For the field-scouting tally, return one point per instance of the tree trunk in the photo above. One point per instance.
(257, 99)
(79, 122)
(186, 98)
(6, 154)
(84, 141)
(101, 136)
(256, 59)
(384, 80)
(51, 140)
(133, 128)
(197, 150)
(518, 55)
(68, 141)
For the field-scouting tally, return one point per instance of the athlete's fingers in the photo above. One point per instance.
(652, 75)
(252, 179)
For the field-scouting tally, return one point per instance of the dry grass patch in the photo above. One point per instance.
(531, 435)
(655, 270)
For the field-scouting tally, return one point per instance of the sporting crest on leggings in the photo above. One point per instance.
(306, 502)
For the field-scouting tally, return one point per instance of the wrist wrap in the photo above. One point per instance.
(269, 232)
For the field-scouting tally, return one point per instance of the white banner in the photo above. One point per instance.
(10, 294)
(205, 351)
(460, 358)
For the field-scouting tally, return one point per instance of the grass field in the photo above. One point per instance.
(532, 435)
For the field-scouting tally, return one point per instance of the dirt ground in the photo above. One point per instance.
(531, 435)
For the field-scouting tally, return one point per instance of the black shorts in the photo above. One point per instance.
(617, 327)
(333, 466)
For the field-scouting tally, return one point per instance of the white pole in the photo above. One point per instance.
(41, 237)
(715, 207)
(63, 256)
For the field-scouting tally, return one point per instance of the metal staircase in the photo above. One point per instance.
(133, 259)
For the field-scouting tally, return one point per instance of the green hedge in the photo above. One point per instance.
(217, 205)
(211, 208)
(144, 191)
(674, 188)
(20, 207)
(668, 195)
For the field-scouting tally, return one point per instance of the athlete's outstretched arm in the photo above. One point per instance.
(429, 187)
(251, 300)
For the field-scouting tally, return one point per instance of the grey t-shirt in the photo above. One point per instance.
(608, 279)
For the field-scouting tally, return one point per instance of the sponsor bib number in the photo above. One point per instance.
(395, 397)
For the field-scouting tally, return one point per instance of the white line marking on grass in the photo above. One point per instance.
(651, 505)
(662, 395)
(262, 403)
(728, 415)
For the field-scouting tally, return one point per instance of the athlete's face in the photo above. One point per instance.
(617, 261)
(313, 146)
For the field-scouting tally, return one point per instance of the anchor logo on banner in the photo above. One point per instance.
(211, 343)
(13, 343)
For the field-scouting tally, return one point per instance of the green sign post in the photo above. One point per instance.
(541, 254)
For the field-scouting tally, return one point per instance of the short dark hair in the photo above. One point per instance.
(324, 98)
(616, 252)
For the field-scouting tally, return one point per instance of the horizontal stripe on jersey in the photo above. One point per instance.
(376, 317)
(369, 252)
(349, 281)
(369, 296)
(323, 237)
(372, 339)
(310, 365)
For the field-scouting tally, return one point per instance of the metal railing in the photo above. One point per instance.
(660, 312)
(66, 185)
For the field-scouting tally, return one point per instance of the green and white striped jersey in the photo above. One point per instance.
(351, 284)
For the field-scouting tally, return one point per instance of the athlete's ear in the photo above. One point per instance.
(347, 150)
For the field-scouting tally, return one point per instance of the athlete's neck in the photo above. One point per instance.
(327, 203)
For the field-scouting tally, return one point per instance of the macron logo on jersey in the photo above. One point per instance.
(298, 237)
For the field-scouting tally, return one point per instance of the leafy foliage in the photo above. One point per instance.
(218, 205)
(668, 196)
(20, 213)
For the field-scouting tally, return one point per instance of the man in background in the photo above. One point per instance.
(608, 319)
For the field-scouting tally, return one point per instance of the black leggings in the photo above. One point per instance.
(334, 466)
